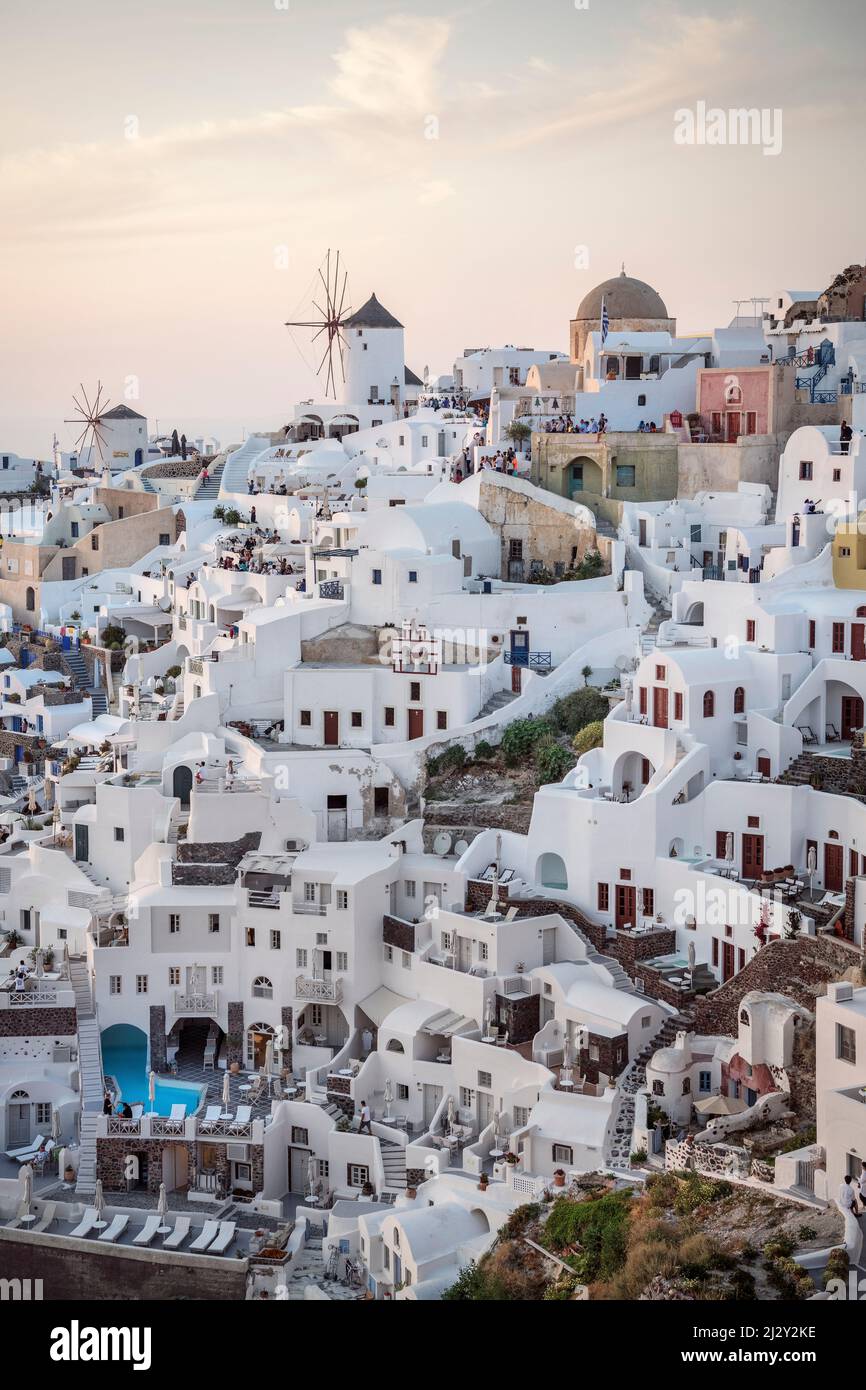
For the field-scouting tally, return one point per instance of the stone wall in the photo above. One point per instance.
(115, 1273)
(612, 1056)
(397, 933)
(111, 1155)
(655, 986)
(801, 969)
(38, 1022)
(337, 1089)
(201, 863)
(522, 1017)
(235, 1029)
(157, 1037)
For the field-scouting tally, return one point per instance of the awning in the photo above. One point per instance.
(448, 1024)
(721, 1105)
(378, 1005)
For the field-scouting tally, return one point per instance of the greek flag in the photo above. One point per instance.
(605, 322)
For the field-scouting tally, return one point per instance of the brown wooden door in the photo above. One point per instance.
(625, 904)
(727, 960)
(852, 714)
(416, 723)
(660, 706)
(753, 856)
(764, 766)
(332, 728)
(858, 644)
(733, 427)
(833, 867)
(515, 679)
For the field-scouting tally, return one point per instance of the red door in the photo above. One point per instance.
(733, 427)
(858, 644)
(833, 868)
(332, 728)
(515, 679)
(753, 856)
(416, 723)
(727, 960)
(660, 706)
(764, 767)
(852, 714)
(625, 904)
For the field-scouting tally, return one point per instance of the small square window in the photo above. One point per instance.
(305, 718)
(357, 719)
(413, 576)
(377, 576)
(389, 716)
(119, 833)
(441, 719)
(213, 922)
(174, 922)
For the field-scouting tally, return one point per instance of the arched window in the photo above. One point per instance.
(709, 704)
(394, 1046)
(739, 700)
(744, 1017)
(30, 600)
(262, 988)
(861, 613)
(19, 1095)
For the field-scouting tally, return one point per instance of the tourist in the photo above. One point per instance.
(124, 1110)
(862, 1184)
(848, 1195)
(845, 433)
(365, 1119)
(252, 516)
(107, 1103)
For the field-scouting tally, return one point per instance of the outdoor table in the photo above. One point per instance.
(497, 1153)
(31, 1217)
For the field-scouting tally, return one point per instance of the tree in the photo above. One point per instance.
(590, 736)
(792, 925)
(518, 433)
(583, 706)
(183, 446)
(175, 443)
(586, 672)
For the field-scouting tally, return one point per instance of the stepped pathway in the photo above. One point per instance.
(497, 701)
(90, 1071)
(394, 1164)
(634, 1080)
(79, 672)
(211, 489)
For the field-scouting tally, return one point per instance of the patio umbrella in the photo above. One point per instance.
(227, 1089)
(389, 1096)
(811, 865)
(312, 1174)
(162, 1209)
(39, 965)
(55, 1124)
(99, 1204)
(32, 801)
(151, 1090)
(692, 958)
(450, 1113)
(269, 1058)
(720, 1105)
(729, 847)
(25, 1180)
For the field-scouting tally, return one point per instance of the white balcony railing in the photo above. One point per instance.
(196, 1003)
(309, 909)
(325, 991)
(29, 997)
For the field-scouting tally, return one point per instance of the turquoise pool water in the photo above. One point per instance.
(124, 1056)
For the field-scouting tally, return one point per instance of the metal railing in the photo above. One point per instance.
(331, 588)
(536, 661)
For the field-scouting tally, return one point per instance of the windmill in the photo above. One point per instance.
(332, 316)
(89, 415)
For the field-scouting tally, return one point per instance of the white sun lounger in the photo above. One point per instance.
(241, 1119)
(28, 1151)
(87, 1223)
(209, 1233)
(224, 1239)
(46, 1218)
(211, 1116)
(148, 1231)
(116, 1229)
(179, 1234)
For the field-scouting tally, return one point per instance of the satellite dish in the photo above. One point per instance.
(442, 843)
(460, 847)
(624, 663)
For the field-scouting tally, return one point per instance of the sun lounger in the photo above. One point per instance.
(148, 1231)
(116, 1229)
(24, 1155)
(241, 1119)
(209, 1233)
(224, 1238)
(13, 1224)
(86, 1224)
(211, 1116)
(137, 1110)
(47, 1217)
(179, 1234)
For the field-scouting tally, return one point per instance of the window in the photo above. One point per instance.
(213, 922)
(521, 1115)
(306, 718)
(342, 900)
(389, 954)
(309, 892)
(705, 1081)
(846, 1043)
(750, 629)
(739, 700)
(660, 673)
(658, 1088)
(414, 690)
(483, 951)
(687, 1085)
(409, 887)
(715, 950)
(441, 719)
(300, 1136)
(406, 959)
(838, 637)
(94, 541)
(709, 704)
(174, 922)
(377, 576)
(174, 974)
(276, 940)
(648, 896)
(358, 1174)
(402, 1091)
(324, 1169)
(603, 897)
(389, 716)
(141, 984)
(485, 1080)
(515, 550)
(805, 471)
(467, 1097)
(625, 475)
(301, 958)
(413, 576)
(342, 960)
(837, 475)
(642, 699)
(251, 936)
(562, 1153)
(811, 632)
(118, 833)
(216, 974)
(646, 1020)
(357, 718)
(43, 1112)
(678, 704)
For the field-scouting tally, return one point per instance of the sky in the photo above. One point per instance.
(172, 173)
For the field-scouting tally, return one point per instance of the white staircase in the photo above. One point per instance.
(90, 1071)
(394, 1164)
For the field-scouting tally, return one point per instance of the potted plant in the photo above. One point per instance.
(559, 1177)
(483, 1183)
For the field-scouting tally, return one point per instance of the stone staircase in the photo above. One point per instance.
(496, 702)
(79, 672)
(211, 489)
(394, 1164)
(90, 1073)
(177, 707)
(634, 1079)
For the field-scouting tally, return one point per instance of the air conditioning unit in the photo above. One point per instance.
(237, 1153)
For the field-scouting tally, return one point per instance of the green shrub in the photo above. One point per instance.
(522, 737)
(590, 736)
(638, 1156)
(806, 1233)
(455, 757)
(779, 1247)
(584, 706)
(174, 671)
(599, 1227)
(484, 750)
(552, 762)
(742, 1285)
(837, 1265)
(219, 513)
(695, 1190)
(519, 1219)
(232, 516)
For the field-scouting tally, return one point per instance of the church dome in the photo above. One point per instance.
(625, 298)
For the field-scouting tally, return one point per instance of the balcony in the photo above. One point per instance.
(535, 661)
(320, 991)
(196, 1003)
(310, 909)
(263, 897)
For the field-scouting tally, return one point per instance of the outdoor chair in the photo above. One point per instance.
(115, 1230)
(86, 1224)
(148, 1231)
(179, 1234)
(224, 1238)
(207, 1236)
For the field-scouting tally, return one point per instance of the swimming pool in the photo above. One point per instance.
(124, 1056)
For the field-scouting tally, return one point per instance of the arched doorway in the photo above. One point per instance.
(258, 1037)
(552, 871)
(181, 784)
